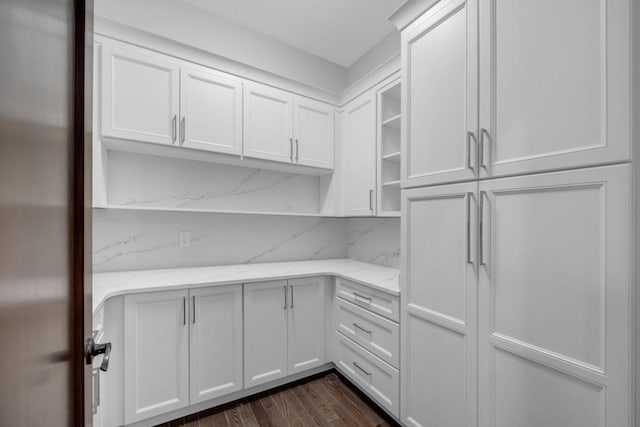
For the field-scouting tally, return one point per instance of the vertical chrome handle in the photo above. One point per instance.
(193, 303)
(184, 310)
(291, 304)
(470, 137)
(297, 151)
(183, 130)
(469, 195)
(173, 127)
(371, 200)
(481, 249)
(96, 390)
(291, 149)
(285, 296)
(483, 132)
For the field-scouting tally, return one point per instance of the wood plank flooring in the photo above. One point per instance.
(323, 400)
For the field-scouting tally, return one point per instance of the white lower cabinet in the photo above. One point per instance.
(215, 351)
(156, 356)
(283, 328)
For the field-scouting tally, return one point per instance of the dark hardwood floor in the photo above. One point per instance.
(323, 400)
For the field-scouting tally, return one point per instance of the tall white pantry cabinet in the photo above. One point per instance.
(519, 210)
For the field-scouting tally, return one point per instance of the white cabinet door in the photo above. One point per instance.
(306, 324)
(265, 332)
(555, 84)
(313, 129)
(139, 95)
(359, 156)
(439, 300)
(211, 110)
(554, 311)
(216, 342)
(440, 75)
(268, 132)
(156, 351)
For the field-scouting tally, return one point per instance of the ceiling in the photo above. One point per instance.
(340, 31)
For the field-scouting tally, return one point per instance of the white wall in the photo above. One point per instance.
(186, 24)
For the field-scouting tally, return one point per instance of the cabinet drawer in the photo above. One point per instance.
(378, 379)
(377, 334)
(376, 301)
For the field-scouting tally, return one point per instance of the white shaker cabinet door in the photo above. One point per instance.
(211, 111)
(140, 95)
(156, 352)
(306, 324)
(268, 131)
(313, 129)
(439, 303)
(555, 84)
(265, 332)
(554, 312)
(216, 342)
(439, 94)
(359, 156)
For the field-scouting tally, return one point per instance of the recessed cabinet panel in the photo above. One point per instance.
(139, 95)
(156, 365)
(440, 66)
(305, 324)
(211, 111)
(268, 132)
(555, 84)
(314, 133)
(216, 342)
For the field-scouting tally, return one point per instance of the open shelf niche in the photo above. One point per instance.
(389, 155)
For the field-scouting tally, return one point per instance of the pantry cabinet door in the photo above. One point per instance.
(313, 129)
(216, 342)
(438, 306)
(306, 324)
(268, 131)
(439, 94)
(265, 332)
(211, 111)
(555, 84)
(156, 354)
(555, 325)
(140, 95)
(359, 156)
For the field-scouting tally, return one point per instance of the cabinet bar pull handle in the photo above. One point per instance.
(193, 302)
(470, 137)
(291, 148)
(297, 151)
(184, 310)
(469, 228)
(183, 130)
(483, 133)
(291, 288)
(173, 128)
(371, 200)
(360, 368)
(355, 325)
(357, 296)
(482, 261)
(285, 296)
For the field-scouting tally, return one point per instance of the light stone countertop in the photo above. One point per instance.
(107, 285)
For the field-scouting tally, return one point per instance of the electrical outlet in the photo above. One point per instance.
(185, 239)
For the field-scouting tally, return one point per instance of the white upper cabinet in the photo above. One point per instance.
(210, 110)
(440, 75)
(156, 356)
(359, 156)
(306, 324)
(216, 342)
(313, 129)
(140, 95)
(268, 131)
(555, 84)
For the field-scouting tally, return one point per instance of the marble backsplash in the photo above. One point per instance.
(138, 240)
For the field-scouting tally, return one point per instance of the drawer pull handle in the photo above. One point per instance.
(362, 297)
(355, 325)
(361, 369)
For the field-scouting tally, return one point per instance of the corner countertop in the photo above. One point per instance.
(107, 285)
